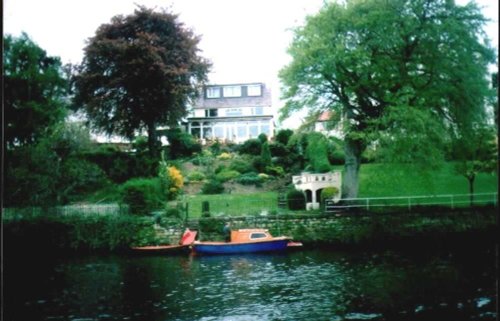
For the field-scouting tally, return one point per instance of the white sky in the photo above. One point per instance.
(246, 40)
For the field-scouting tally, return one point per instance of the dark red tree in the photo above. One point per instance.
(139, 72)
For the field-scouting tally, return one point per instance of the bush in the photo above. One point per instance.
(212, 187)
(296, 200)
(249, 179)
(226, 175)
(251, 147)
(182, 144)
(328, 193)
(196, 176)
(142, 195)
(225, 156)
(283, 136)
(241, 166)
(277, 171)
(205, 209)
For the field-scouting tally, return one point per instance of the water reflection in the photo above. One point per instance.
(308, 285)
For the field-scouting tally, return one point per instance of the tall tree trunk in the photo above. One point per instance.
(353, 150)
(471, 179)
(152, 140)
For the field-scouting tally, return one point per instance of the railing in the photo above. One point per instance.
(409, 202)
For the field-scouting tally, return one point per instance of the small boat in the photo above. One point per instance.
(184, 246)
(244, 241)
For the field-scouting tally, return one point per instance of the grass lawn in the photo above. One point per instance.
(376, 180)
(233, 204)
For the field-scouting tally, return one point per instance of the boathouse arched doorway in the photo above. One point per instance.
(309, 195)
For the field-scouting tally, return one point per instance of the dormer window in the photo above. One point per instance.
(213, 92)
(231, 91)
(254, 90)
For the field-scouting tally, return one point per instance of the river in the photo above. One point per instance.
(310, 284)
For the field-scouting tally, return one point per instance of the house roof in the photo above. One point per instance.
(235, 102)
(325, 116)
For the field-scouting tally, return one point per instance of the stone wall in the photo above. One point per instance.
(350, 229)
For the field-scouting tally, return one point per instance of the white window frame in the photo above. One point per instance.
(231, 91)
(213, 92)
(254, 90)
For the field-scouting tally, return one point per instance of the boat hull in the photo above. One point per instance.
(235, 248)
(161, 249)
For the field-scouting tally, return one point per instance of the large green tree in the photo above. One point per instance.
(35, 89)
(377, 61)
(138, 73)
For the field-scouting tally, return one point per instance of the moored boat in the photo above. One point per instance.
(244, 241)
(184, 246)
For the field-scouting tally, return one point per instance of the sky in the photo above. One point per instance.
(246, 40)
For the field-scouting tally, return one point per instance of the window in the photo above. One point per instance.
(219, 132)
(232, 91)
(213, 92)
(242, 132)
(254, 90)
(254, 236)
(210, 112)
(234, 112)
(258, 110)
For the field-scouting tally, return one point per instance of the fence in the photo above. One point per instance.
(263, 205)
(79, 209)
(409, 202)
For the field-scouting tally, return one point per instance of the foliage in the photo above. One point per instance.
(171, 180)
(262, 138)
(212, 187)
(277, 171)
(79, 232)
(251, 178)
(476, 151)
(265, 154)
(241, 165)
(52, 170)
(317, 152)
(34, 91)
(139, 72)
(226, 175)
(370, 59)
(251, 146)
(224, 156)
(119, 165)
(328, 193)
(296, 200)
(142, 195)
(283, 136)
(205, 209)
(181, 144)
(196, 176)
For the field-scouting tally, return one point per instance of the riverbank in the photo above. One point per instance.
(47, 235)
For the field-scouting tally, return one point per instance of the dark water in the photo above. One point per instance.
(324, 284)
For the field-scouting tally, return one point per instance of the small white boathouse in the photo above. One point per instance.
(312, 185)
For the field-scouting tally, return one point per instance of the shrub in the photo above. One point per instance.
(283, 136)
(205, 209)
(296, 200)
(226, 175)
(212, 187)
(275, 171)
(171, 180)
(262, 137)
(249, 179)
(251, 146)
(196, 176)
(328, 193)
(142, 195)
(241, 166)
(182, 144)
(225, 156)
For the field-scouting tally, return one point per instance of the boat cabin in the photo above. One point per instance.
(249, 235)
